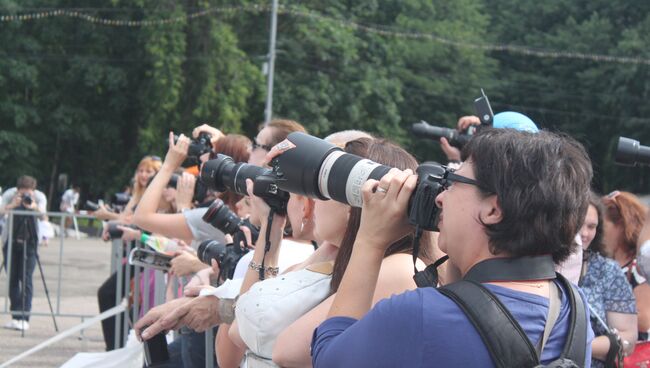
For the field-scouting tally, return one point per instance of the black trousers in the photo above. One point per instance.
(106, 296)
(21, 286)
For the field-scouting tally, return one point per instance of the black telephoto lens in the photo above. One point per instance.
(222, 218)
(223, 174)
(631, 152)
(455, 138)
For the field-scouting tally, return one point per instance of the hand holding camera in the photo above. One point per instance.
(384, 218)
(214, 133)
(186, 263)
(129, 233)
(464, 124)
(23, 201)
(177, 152)
(103, 213)
(185, 191)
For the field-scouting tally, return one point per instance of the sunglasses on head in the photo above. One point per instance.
(153, 157)
(265, 147)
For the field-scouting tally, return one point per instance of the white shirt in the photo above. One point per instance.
(8, 196)
(69, 200)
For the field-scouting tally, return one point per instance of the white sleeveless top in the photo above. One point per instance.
(272, 305)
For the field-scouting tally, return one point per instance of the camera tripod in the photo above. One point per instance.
(27, 239)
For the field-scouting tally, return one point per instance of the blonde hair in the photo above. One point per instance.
(147, 163)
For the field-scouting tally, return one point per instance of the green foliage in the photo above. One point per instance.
(90, 100)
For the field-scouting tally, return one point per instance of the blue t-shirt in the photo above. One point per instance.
(423, 328)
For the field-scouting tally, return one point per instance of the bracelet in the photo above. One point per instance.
(271, 271)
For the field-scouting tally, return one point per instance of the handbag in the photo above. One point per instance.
(640, 357)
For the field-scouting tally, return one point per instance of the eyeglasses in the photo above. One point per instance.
(451, 178)
(265, 147)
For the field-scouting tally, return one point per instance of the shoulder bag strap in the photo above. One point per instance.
(554, 304)
(576, 343)
(506, 342)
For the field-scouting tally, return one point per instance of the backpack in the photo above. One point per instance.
(504, 338)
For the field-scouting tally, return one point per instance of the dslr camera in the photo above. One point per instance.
(318, 169)
(200, 190)
(226, 255)
(454, 137)
(631, 152)
(198, 146)
(116, 233)
(26, 200)
(223, 174)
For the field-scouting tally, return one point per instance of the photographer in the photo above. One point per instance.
(24, 250)
(505, 119)
(200, 313)
(517, 201)
(282, 330)
(188, 224)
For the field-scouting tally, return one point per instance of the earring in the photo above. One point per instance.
(304, 222)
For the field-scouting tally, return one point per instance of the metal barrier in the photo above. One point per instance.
(140, 295)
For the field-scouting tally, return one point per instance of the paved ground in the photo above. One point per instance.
(86, 264)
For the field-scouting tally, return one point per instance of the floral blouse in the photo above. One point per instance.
(606, 288)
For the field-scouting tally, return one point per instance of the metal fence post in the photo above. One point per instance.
(136, 291)
(10, 224)
(209, 348)
(58, 281)
(118, 300)
(127, 293)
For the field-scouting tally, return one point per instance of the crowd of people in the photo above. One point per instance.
(322, 283)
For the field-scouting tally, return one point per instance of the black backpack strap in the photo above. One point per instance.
(504, 338)
(506, 342)
(576, 343)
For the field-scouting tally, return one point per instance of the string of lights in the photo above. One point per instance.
(296, 12)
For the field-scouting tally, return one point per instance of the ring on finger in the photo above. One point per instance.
(381, 190)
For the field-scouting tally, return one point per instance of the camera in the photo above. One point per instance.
(27, 200)
(223, 174)
(631, 152)
(226, 256)
(116, 233)
(319, 169)
(198, 146)
(200, 190)
(454, 137)
(222, 218)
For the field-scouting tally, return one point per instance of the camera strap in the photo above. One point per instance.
(513, 269)
(267, 245)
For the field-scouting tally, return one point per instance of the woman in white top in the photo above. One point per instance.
(335, 224)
